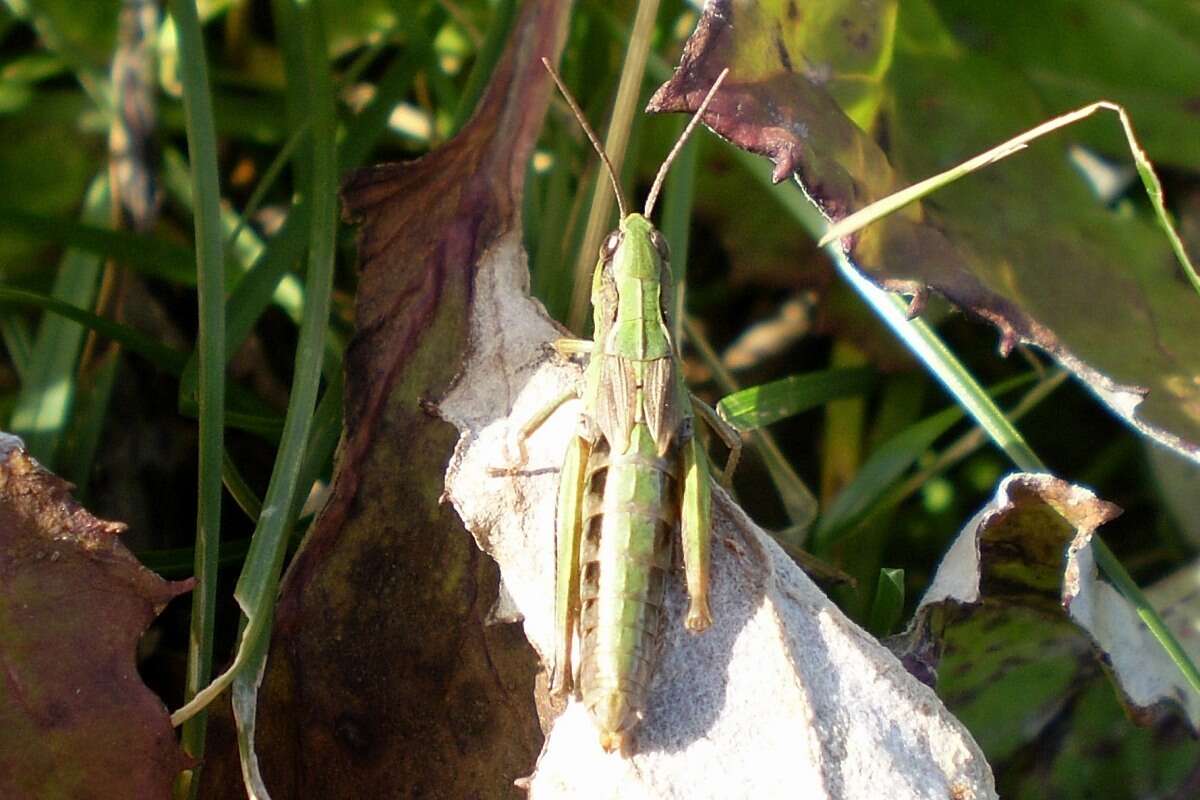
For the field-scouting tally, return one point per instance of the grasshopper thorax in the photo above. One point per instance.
(631, 291)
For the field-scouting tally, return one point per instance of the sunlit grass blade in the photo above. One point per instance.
(968, 443)
(881, 208)
(210, 281)
(239, 255)
(885, 466)
(258, 286)
(759, 406)
(47, 397)
(255, 592)
(888, 604)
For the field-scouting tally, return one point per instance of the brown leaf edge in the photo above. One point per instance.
(754, 117)
(75, 718)
(1030, 547)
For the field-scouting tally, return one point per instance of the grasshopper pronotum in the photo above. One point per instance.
(634, 473)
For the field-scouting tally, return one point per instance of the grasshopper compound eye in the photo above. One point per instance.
(610, 245)
(660, 245)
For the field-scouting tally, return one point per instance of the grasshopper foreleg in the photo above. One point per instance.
(571, 347)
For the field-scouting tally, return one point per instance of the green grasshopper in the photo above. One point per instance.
(634, 472)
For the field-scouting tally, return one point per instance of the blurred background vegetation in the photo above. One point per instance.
(98, 212)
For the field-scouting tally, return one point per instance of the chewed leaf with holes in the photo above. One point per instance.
(75, 718)
(1024, 244)
(1017, 604)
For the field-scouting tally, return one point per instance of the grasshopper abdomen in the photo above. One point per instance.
(631, 512)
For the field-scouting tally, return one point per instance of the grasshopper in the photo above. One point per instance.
(633, 475)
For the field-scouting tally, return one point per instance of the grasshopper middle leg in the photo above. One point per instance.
(532, 424)
(727, 433)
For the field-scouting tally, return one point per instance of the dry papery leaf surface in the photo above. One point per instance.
(1020, 587)
(782, 693)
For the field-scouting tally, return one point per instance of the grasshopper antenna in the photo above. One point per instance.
(591, 134)
(679, 143)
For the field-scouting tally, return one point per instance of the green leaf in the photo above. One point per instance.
(43, 409)
(1142, 55)
(759, 406)
(888, 604)
(154, 257)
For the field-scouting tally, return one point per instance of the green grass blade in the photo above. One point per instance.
(885, 466)
(153, 257)
(677, 220)
(210, 281)
(759, 406)
(969, 442)
(888, 604)
(91, 415)
(265, 184)
(880, 471)
(162, 356)
(240, 255)
(485, 62)
(256, 587)
(176, 562)
(257, 287)
(19, 342)
(239, 490)
(322, 440)
(628, 92)
(924, 342)
(44, 406)
(371, 122)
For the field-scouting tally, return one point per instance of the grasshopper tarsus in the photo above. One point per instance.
(699, 618)
(430, 408)
(567, 348)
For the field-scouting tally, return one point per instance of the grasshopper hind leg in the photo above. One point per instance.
(694, 529)
(568, 533)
